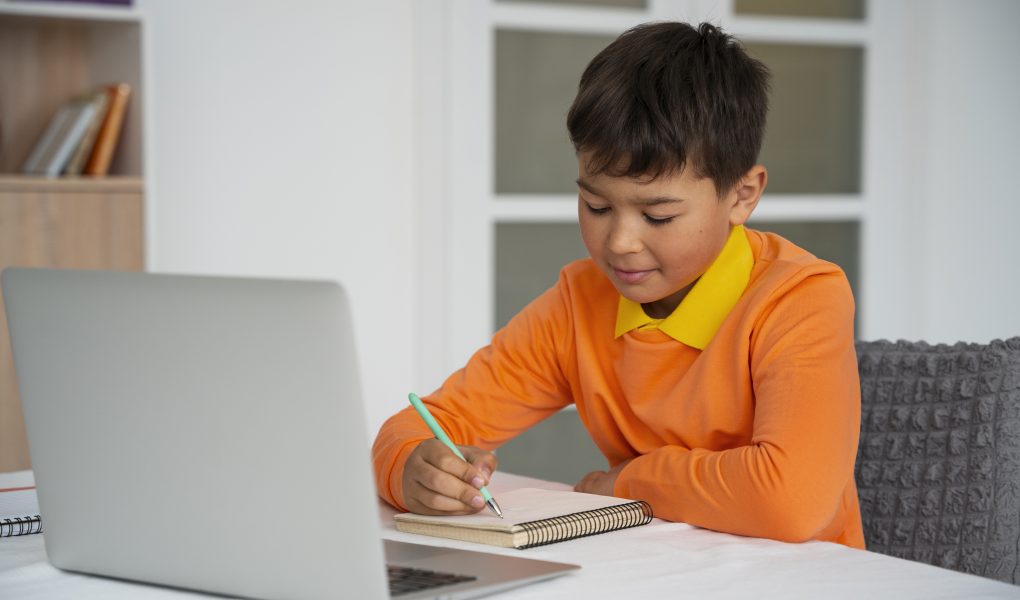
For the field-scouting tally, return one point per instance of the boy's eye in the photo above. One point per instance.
(658, 221)
(597, 211)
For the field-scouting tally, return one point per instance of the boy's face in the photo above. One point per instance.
(654, 238)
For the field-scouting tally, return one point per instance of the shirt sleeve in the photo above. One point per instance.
(789, 483)
(506, 387)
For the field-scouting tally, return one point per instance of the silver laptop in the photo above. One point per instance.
(208, 433)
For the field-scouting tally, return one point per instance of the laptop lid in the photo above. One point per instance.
(197, 432)
(208, 433)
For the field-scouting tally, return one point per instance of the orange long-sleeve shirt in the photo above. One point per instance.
(755, 435)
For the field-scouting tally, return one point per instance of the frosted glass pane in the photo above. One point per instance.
(837, 242)
(529, 257)
(813, 141)
(835, 9)
(536, 79)
(624, 3)
(562, 436)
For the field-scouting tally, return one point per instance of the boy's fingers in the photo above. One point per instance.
(589, 481)
(426, 501)
(442, 458)
(485, 462)
(441, 481)
(441, 488)
(428, 489)
(465, 472)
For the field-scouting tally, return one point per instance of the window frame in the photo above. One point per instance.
(456, 46)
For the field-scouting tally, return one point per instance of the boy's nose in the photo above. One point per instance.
(623, 240)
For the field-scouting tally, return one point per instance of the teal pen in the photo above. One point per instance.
(442, 437)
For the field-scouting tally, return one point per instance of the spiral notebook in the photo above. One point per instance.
(19, 506)
(534, 517)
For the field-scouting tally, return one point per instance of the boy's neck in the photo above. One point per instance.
(660, 309)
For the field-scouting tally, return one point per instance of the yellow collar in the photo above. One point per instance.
(702, 311)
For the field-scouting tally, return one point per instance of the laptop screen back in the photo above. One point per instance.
(199, 432)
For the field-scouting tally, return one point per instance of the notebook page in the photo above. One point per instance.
(18, 503)
(520, 506)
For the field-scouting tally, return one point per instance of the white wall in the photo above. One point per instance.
(971, 209)
(282, 145)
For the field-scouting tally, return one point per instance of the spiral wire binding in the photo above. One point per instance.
(20, 526)
(586, 523)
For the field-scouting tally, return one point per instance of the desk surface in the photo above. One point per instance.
(658, 560)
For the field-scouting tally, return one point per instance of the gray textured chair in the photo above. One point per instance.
(938, 469)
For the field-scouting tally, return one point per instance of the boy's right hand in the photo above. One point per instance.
(437, 482)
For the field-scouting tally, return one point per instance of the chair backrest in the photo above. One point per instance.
(938, 468)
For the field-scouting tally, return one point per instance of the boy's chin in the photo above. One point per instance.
(630, 293)
(644, 292)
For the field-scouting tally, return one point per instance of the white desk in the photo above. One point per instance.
(658, 560)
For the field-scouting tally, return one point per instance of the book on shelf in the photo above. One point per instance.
(533, 517)
(19, 507)
(76, 164)
(62, 135)
(109, 131)
(42, 146)
(82, 135)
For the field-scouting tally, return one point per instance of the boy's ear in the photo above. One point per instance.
(745, 196)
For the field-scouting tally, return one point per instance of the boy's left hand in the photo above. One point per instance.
(600, 482)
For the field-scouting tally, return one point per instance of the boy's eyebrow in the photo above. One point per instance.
(644, 201)
(587, 186)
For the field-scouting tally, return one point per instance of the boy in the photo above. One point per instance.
(713, 365)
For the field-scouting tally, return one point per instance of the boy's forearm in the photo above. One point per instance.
(745, 491)
(505, 388)
(395, 442)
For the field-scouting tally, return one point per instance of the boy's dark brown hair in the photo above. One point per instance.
(664, 96)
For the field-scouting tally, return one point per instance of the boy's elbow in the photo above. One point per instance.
(801, 514)
(801, 504)
(793, 529)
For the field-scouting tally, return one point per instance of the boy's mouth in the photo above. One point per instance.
(631, 276)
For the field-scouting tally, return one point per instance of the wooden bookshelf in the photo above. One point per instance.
(50, 53)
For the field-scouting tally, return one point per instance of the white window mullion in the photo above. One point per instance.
(552, 208)
(432, 82)
(809, 208)
(562, 208)
(788, 30)
(567, 19)
(894, 139)
(470, 247)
